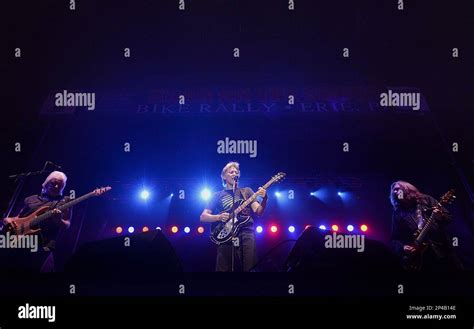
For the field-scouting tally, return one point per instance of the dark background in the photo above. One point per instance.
(83, 50)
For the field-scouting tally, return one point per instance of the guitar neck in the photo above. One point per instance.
(420, 238)
(65, 206)
(252, 198)
(429, 223)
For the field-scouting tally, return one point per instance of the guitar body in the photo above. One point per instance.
(224, 231)
(23, 225)
(414, 261)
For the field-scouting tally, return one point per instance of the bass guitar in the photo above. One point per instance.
(31, 224)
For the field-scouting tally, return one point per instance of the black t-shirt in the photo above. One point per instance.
(222, 202)
(49, 229)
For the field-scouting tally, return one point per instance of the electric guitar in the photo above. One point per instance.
(414, 260)
(224, 231)
(30, 224)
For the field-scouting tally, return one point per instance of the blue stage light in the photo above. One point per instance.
(205, 194)
(144, 194)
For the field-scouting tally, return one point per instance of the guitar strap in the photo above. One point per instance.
(237, 192)
(243, 196)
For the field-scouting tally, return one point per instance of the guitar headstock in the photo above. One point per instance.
(447, 197)
(101, 190)
(278, 177)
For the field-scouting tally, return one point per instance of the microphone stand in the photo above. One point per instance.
(234, 188)
(20, 180)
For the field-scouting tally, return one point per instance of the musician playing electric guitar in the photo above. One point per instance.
(411, 212)
(219, 209)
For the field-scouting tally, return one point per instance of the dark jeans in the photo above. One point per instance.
(21, 260)
(447, 261)
(245, 256)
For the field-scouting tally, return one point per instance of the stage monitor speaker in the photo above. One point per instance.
(144, 254)
(310, 254)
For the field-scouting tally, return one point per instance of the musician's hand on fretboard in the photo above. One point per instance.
(56, 214)
(261, 192)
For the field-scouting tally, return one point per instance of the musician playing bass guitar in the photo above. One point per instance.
(219, 210)
(411, 212)
(42, 217)
(51, 195)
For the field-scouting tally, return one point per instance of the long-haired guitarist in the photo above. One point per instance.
(411, 210)
(219, 209)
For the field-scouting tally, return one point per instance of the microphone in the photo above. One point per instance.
(236, 178)
(54, 165)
